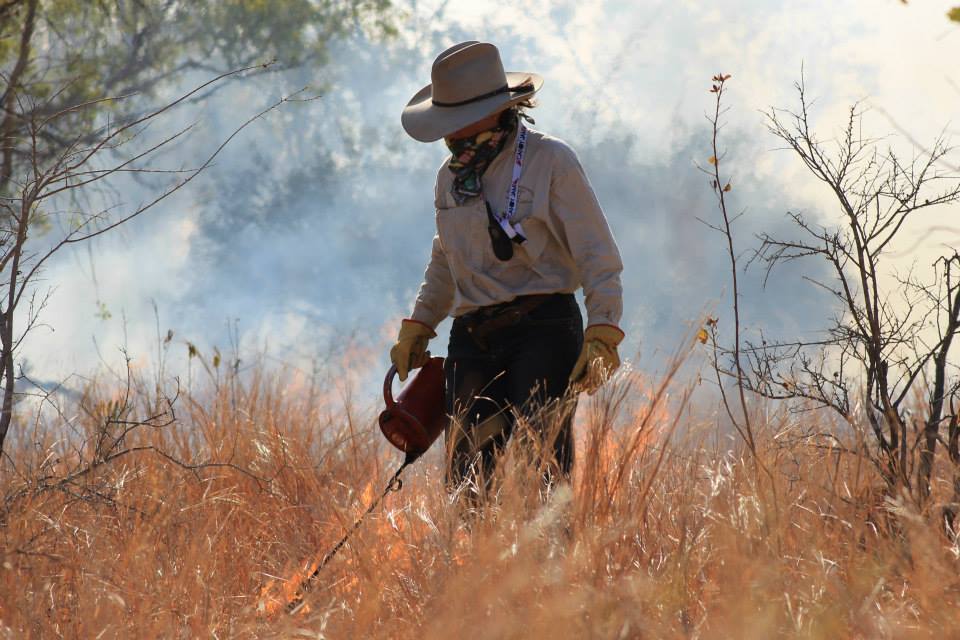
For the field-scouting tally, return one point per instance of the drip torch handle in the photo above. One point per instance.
(388, 387)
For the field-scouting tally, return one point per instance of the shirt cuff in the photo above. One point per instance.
(425, 318)
(610, 325)
(606, 318)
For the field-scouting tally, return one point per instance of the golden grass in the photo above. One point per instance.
(664, 532)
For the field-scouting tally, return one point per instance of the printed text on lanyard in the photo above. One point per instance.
(513, 229)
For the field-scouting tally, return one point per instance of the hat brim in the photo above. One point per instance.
(427, 122)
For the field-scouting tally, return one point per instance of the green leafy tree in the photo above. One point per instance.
(58, 54)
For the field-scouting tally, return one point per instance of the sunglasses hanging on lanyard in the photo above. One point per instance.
(503, 232)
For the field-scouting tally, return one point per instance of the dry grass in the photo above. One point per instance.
(663, 534)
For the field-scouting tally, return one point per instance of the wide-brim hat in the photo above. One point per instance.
(468, 84)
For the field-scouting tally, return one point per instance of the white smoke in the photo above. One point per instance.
(317, 222)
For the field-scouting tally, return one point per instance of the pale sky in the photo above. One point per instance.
(341, 251)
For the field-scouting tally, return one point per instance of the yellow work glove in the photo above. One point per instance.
(598, 359)
(410, 352)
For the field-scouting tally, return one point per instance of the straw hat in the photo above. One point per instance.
(468, 84)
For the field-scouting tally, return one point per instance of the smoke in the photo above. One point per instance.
(315, 226)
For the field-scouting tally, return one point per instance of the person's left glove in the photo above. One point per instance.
(598, 358)
(410, 351)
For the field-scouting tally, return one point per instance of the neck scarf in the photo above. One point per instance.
(473, 154)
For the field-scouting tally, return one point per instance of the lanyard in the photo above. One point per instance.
(513, 229)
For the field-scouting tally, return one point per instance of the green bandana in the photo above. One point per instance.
(472, 155)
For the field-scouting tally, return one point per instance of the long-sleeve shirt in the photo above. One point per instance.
(568, 241)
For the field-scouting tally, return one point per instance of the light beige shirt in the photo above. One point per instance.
(568, 244)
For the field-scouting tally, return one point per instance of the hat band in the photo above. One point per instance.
(525, 88)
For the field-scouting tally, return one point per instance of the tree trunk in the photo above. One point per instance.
(8, 102)
(931, 430)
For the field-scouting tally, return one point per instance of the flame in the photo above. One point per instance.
(460, 541)
(278, 593)
(367, 495)
(391, 531)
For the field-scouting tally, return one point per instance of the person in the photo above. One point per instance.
(518, 231)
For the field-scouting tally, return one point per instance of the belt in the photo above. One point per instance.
(485, 320)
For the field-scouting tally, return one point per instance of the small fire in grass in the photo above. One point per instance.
(280, 594)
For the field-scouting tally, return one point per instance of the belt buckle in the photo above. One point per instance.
(512, 315)
(479, 337)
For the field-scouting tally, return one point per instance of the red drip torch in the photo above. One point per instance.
(416, 418)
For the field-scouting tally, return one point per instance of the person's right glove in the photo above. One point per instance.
(598, 358)
(410, 351)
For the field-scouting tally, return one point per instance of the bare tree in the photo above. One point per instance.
(35, 224)
(721, 188)
(890, 341)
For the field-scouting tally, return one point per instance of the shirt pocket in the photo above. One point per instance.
(535, 231)
(463, 235)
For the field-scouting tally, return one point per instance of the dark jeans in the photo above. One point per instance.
(522, 371)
